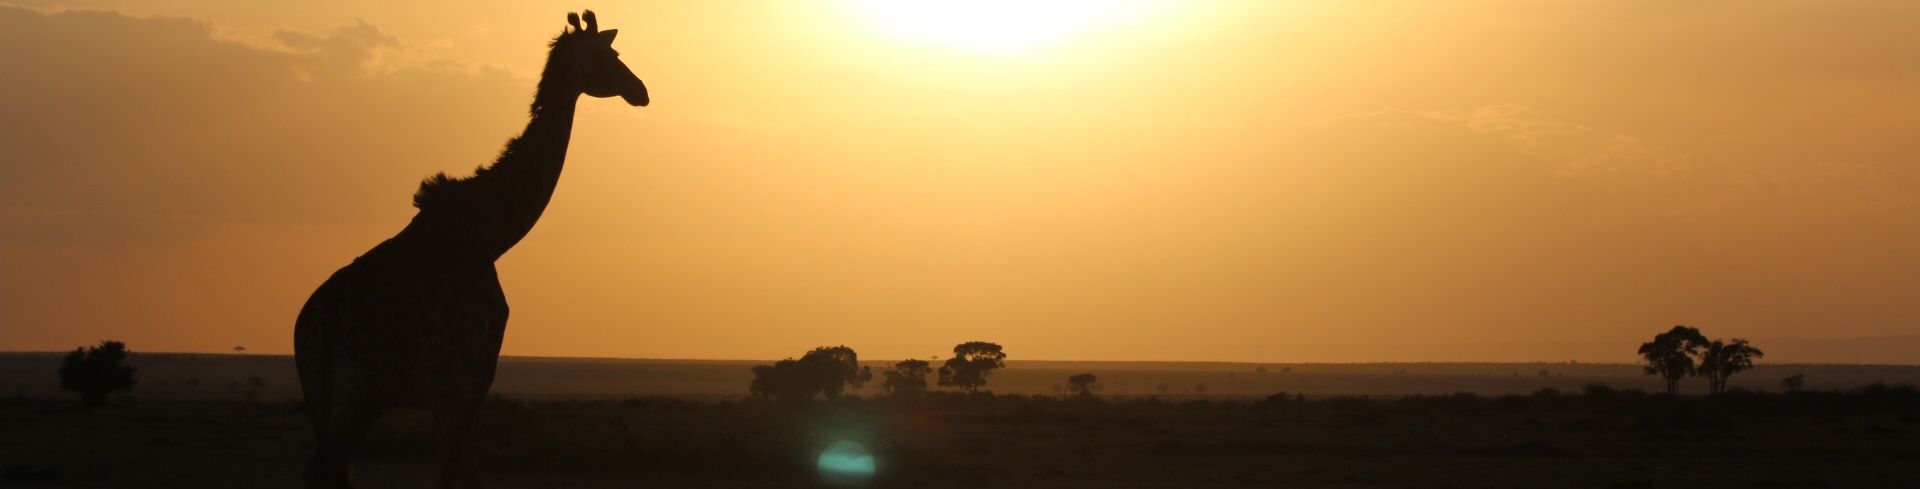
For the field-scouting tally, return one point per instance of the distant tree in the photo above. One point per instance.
(1793, 382)
(1082, 384)
(239, 349)
(824, 371)
(1670, 355)
(96, 371)
(1721, 360)
(971, 363)
(907, 377)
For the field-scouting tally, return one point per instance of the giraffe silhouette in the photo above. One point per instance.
(417, 321)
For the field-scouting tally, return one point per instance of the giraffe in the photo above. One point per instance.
(417, 321)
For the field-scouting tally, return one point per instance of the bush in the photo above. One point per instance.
(94, 372)
(1283, 400)
(907, 377)
(825, 370)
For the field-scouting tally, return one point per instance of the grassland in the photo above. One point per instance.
(561, 423)
(203, 376)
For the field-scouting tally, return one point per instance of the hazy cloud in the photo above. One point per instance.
(159, 117)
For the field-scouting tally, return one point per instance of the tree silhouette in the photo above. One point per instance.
(971, 363)
(96, 371)
(1082, 384)
(1721, 360)
(1670, 355)
(825, 370)
(1793, 382)
(907, 377)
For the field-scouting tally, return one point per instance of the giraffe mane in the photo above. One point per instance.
(441, 189)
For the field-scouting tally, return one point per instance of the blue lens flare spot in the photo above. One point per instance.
(846, 463)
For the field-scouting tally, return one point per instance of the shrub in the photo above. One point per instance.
(907, 377)
(1083, 384)
(96, 371)
(825, 370)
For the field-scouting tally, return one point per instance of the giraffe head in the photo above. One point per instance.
(596, 65)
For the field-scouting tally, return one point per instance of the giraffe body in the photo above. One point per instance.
(418, 320)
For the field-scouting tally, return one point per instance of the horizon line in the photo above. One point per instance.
(1218, 362)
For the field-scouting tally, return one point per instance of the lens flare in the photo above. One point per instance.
(846, 463)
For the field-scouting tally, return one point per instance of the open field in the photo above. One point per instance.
(172, 376)
(1599, 439)
(649, 423)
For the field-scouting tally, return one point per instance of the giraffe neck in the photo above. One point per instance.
(481, 217)
(529, 169)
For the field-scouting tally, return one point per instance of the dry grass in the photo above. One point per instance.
(1597, 438)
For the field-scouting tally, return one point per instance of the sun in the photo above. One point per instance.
(1011, 27)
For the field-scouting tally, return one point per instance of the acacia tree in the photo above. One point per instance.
(1670, 355)
(1723, 359)
(825, 370)
(96, 371)
(971, 363)
(907, 377)
(1082, 384)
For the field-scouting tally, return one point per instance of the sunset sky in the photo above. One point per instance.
(1255, 180)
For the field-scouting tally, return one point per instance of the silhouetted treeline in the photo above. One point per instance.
(830, 370)
(826, 370)
(1601, 399)
(1684, 351)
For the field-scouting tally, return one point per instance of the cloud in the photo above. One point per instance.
(349, 50)
(146, 120)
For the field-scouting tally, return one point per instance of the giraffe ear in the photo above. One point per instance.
(606, 37)
(573, 19)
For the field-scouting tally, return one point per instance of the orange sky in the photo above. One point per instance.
(1158, 180)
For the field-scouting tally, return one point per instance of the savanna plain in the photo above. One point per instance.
(235, 421)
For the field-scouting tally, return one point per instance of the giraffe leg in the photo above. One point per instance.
(345, 432)
(457, 427)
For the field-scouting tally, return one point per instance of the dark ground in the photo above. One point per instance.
(1602, 439)
(175, 376)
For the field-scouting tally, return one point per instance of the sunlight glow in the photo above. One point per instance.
(1008, 27)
